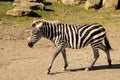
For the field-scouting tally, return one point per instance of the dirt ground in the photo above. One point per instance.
(19, 62)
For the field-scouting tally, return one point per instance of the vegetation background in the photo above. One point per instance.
(64, 13)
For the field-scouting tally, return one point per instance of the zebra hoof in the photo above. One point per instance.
(30, 44)
(86, 69)
(48, 72)
(64, 69)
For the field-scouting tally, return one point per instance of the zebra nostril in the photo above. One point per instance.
(30, 44)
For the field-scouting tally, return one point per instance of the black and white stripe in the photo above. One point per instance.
(75, 36)
(72, 36)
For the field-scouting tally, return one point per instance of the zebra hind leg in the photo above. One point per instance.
(96, 56)
(103, 47)
(65, 60)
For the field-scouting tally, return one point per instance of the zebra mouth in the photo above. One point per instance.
(30, 44)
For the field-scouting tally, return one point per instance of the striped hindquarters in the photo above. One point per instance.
(78, 36)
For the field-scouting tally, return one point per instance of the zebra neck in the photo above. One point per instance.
(48, 31)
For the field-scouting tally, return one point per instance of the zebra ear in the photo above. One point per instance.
(39, 25)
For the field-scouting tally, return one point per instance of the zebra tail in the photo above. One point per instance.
(107, 43)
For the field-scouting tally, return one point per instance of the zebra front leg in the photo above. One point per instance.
(59, 49)
(65, 60)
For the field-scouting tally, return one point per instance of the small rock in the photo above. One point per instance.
(92, 4)
(112, 4)
(31, 5)
(19, 11)
(72, 2)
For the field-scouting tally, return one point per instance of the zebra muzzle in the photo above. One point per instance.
(30, 44)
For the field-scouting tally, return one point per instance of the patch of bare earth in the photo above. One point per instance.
(19, 62)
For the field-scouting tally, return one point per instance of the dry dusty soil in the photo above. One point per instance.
(19, 62)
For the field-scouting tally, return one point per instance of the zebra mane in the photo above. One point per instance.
(43, 20)
(36, 22)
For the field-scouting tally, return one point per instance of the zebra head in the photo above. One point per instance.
(36, 33)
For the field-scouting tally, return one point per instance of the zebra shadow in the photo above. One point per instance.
(33, 14)
(102, 67)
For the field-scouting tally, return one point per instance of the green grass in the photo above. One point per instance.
(9, 20)
(63, 13)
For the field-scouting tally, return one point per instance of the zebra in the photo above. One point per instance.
(73, 36)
